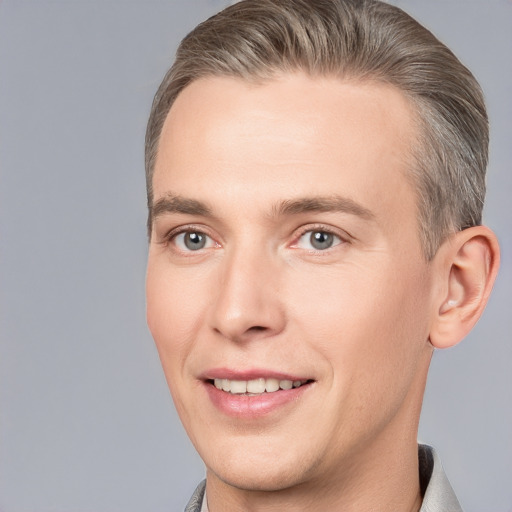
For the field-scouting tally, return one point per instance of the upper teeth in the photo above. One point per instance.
(256, 386)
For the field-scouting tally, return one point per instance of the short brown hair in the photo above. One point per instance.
(362, 39)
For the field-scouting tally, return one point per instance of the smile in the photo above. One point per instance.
(257, 397)
(256, 386)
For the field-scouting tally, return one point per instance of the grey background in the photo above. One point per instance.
(86, 420)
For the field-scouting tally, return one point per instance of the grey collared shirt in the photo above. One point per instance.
(438, 495)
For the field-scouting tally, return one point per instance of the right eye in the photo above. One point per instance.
(192, 241)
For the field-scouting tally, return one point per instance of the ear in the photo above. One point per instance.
(466, 266)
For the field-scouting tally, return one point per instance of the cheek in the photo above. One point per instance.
(172, 315)
(368, 324)
(172, 318)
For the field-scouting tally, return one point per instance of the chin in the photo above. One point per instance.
(259, 468)
(256, 480)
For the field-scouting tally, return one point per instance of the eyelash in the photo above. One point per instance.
(320, 228)
(173, 234)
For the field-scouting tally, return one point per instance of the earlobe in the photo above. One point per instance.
(468, 266)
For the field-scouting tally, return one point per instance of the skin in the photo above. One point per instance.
(260, 295)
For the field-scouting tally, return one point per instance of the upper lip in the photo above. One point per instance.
(250, 374)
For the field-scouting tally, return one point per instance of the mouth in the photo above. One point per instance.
(256, 387)
(256, 393)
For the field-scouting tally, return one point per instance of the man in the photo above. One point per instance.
(316, 174)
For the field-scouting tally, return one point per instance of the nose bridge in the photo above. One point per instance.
(247, 302)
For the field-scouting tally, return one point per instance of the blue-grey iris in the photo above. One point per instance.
(321, 240)
(194, 241)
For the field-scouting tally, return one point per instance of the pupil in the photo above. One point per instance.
(321, 240)
(195, 241)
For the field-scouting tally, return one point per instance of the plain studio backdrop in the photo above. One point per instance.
(86, 421)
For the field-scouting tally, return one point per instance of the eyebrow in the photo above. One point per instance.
(171, 203)
(332, 203)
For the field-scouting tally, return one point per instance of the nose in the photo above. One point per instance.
(248, 304)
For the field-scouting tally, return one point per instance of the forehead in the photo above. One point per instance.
(265, 141)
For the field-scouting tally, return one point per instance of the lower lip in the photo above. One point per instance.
(246, 406)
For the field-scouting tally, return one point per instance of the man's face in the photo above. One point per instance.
(285, 252)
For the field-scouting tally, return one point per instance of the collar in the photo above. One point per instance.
(438, 495)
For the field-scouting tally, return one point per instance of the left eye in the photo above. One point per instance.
(193, 241)
(318, 240)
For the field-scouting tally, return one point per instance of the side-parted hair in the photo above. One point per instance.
(367, 40)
